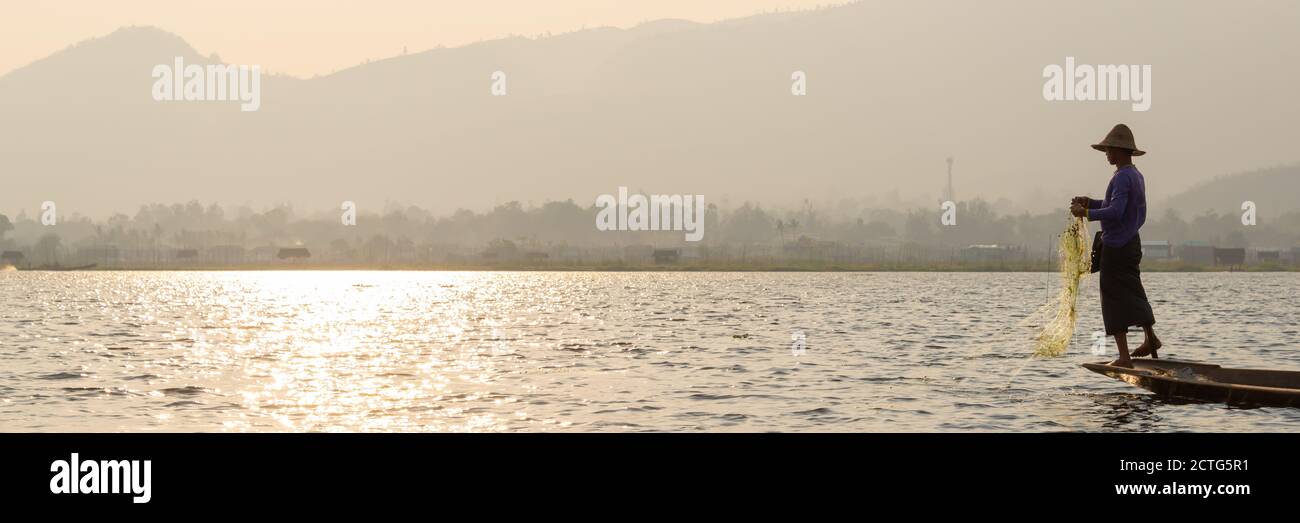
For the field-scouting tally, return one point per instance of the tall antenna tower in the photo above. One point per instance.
(948, 194)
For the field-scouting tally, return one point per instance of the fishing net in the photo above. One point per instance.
(1076, 261)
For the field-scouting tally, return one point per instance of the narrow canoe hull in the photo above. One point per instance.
(1208, 382)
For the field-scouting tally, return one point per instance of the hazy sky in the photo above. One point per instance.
(897, 86)
(307, 37)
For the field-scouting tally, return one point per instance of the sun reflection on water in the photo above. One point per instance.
(345, 351)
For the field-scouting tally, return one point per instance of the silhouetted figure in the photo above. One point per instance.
(1122, 212)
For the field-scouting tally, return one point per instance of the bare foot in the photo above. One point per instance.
(1148, 348)
(1122, 362)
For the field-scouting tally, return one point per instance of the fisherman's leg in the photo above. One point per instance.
(1130, 305)
(1150, 343)
(1121, 341)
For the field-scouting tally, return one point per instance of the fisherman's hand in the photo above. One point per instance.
(1078, 210)
(1081, 200)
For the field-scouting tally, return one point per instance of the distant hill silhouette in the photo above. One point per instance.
(1274, 191)
(668, 107)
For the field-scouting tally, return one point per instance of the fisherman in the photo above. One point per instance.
(1123, 211)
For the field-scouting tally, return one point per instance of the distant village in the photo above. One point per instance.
(562, 236)
(805, 252)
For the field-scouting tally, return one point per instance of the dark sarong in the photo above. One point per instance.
(1123, 299)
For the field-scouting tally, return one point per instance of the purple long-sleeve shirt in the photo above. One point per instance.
(1124, 210)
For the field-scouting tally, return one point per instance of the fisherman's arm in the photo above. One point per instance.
(1118, 202)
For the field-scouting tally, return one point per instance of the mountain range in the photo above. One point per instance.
(677, 107)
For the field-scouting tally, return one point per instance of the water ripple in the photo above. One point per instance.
(533, 351)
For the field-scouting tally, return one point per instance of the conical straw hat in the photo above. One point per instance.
(1122, 137)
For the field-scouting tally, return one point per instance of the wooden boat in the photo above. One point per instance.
(1208, 382)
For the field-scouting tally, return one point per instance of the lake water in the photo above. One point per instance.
(532, 351)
